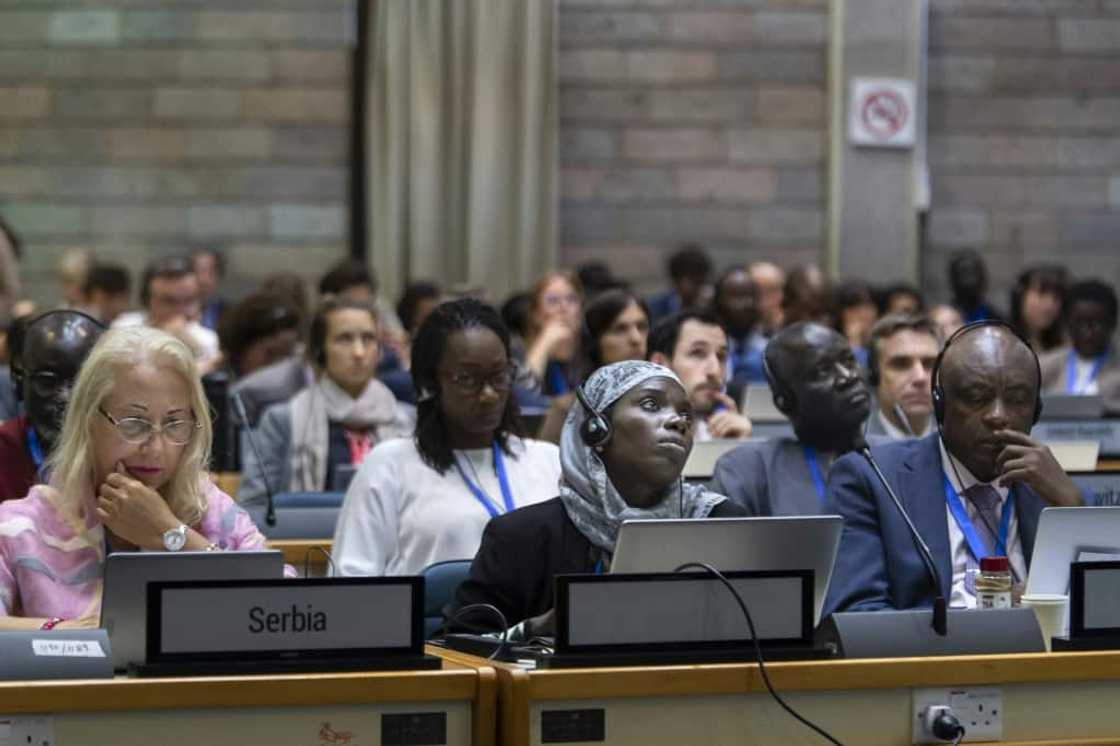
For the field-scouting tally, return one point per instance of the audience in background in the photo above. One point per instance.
(107, 292)
(901, 298)
(854, 312)
(1089, 365)
(690, 271)
(210, 269)
(947, 319)
(169, 295)
(291, 288)
(596, 277)
(735, 304)
(70, 273)
(424, 499)
(629, 467)
(770, 281)
(968, 278)
(128, 474)
(261, 330)
(420, 299)
(954, 486)
(806, 296)
(694, 346)
(48, 351)
(11, 285)
(901, 351)
(816, 383)
(304, 444)
(552, 333)
(1037, 302)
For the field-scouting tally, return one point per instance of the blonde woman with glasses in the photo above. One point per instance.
(128, 473)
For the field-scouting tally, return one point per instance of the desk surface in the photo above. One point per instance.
(817, 686)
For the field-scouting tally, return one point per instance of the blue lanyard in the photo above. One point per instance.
(814, 470)
(35, 448)
(503, 482)
(599, 566)
(975, 545)
(1071, 370)
(557, 382)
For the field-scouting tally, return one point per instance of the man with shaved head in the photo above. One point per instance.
(974, 488)
(47, 353)
(817, 384)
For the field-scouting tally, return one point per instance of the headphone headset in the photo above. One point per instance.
(784, 398)
(596, 429)
(938, 393)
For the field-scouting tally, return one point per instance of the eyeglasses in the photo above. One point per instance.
(472, 383)
(136, 430)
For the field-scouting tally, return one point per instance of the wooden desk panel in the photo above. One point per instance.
(1062, 698)
(274, 709)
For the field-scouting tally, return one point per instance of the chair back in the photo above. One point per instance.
(441, 579)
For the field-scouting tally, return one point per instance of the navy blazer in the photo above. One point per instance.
(878, 565)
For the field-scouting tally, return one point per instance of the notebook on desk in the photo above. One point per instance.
(127, 575)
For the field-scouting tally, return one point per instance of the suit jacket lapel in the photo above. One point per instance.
(1028, 508)
(923, 496)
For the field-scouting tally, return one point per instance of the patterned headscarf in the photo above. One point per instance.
(592, 502)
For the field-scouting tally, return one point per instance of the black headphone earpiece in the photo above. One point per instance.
(784, 399)
(937, 393)
(596, 429)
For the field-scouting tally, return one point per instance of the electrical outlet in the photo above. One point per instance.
(978, 708)
(27, 731)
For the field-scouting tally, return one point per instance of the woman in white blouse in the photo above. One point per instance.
(427, 499)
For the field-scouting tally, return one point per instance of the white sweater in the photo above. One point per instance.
(400, 515)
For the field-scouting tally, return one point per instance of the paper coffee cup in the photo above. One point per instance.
(1050, 610)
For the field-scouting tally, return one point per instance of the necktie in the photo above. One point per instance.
(986, 501)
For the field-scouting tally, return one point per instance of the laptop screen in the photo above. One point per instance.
(318, 618)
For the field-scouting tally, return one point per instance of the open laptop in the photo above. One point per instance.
(1068, 535)
(758, 404)
(773, 543)
(127, 574)
(701, 464)
(1072, 407)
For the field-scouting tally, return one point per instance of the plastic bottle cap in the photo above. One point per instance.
(994, 564)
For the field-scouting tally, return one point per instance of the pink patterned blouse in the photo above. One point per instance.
(50, 561)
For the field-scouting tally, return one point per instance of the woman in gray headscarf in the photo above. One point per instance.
(621, 458)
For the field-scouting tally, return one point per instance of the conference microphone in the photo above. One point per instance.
(940, 607)
(239, 406)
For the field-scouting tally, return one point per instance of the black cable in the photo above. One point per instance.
(758, 650)
(442, 632)
(307, 561)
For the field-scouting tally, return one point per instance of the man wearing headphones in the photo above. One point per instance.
(817, 384)
(901, 351)
(974, 488)
(47, 353)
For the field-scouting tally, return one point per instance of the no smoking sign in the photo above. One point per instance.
(881, 112)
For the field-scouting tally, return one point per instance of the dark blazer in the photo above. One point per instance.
(17, 470)
(520, 554)
(877, 565)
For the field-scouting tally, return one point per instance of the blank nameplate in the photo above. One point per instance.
(659, 611)
(286, 619)
(909, 633)
(55, 654)
(1095, 599)
(1105, 432)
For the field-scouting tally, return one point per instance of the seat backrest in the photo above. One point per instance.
(440, 582)
(308, 499)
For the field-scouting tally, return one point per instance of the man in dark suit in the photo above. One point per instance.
(973, 489)
(817, 384)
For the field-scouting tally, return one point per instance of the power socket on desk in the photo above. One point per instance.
(27, 731)
(979, 709)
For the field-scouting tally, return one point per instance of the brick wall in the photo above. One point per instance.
(692, 121)
(141, 127)
(1024, 124)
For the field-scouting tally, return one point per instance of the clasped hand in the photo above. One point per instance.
(134, 511)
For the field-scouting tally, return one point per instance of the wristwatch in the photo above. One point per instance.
(175, 539)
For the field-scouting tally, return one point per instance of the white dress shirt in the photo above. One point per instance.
(958, 545)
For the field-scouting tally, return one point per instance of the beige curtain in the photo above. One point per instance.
(462, 142)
